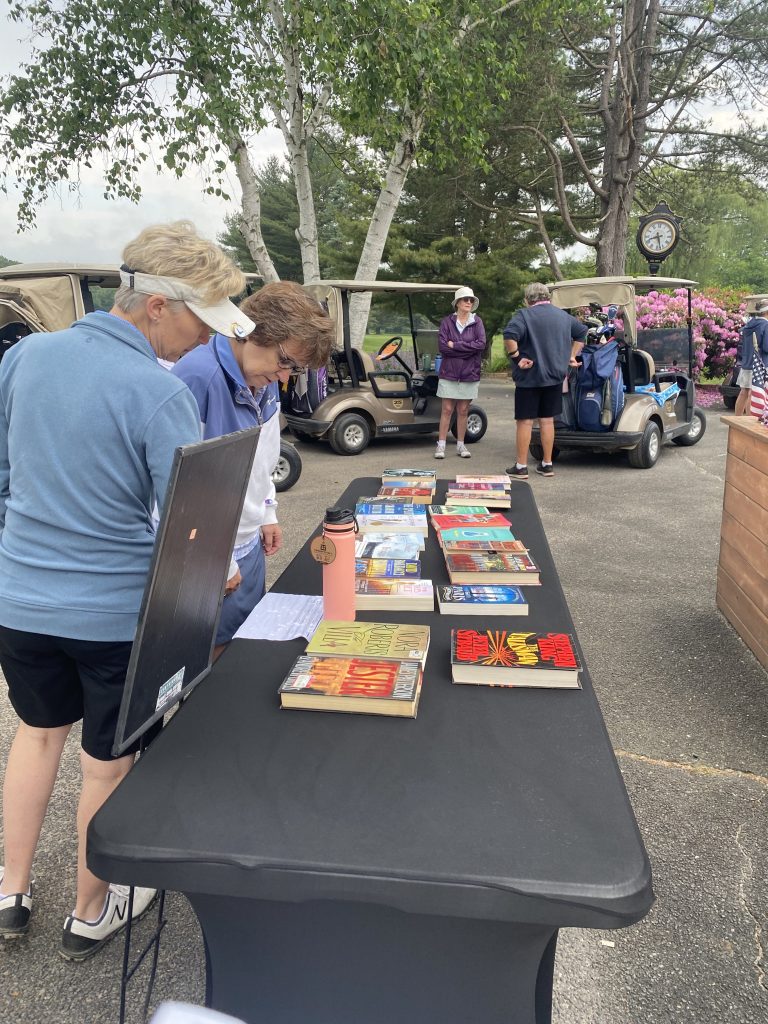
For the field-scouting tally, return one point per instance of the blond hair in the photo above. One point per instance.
(177, 250)
(283, 311)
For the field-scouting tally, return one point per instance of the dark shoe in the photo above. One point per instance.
(81, 939)
(545, 469)
(517, 474)
(15, 911)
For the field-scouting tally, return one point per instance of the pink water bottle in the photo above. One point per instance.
(339, 529)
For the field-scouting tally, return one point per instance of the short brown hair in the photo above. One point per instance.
(283, 311)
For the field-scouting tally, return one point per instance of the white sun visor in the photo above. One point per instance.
(223, 317)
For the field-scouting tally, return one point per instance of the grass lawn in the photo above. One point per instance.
(373, 343)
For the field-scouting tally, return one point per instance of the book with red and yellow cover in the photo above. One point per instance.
(386, 641)
(500, 657)
(515, 547)
(453, 521)
(358, 685)
(491, 567)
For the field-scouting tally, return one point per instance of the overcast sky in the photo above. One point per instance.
(88, 228)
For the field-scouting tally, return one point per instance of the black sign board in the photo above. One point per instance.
(185, 587)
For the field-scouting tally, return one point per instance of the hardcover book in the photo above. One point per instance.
(353, 685)
(500, 657)
(490, 567)
(481, 600)
(372, 594)
(389, 641)
(388, 568)
(389, 545)
(454, 520)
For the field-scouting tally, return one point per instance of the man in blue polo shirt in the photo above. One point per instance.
(542, 341)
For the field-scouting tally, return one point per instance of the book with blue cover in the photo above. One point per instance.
(477, 599)
(388, 568)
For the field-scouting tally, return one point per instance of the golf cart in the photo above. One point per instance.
(42, 297)
(389, 395)
(729, 389)
(652, 390)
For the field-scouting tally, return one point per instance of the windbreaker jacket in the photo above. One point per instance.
(462, 361)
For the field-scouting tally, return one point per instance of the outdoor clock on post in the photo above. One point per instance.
(657, 235)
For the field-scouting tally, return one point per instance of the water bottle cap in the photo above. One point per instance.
(339, 516)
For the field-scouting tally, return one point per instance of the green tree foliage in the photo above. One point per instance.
(4, 262)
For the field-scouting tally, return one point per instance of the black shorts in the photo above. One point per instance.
(538, 403)
(54, 681)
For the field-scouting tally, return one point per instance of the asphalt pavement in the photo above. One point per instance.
(685, 703)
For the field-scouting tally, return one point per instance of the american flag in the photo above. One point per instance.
(758, 400)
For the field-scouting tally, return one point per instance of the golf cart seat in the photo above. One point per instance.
(643, 367)
(368, 373)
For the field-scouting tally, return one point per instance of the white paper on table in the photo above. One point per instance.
(282, 617)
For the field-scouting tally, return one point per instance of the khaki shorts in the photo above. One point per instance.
(744, 380)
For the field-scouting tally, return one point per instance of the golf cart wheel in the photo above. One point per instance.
(648, 451)
(350, 434)
(288, 468)
(537, 452)
(696, 431)
(477, 424)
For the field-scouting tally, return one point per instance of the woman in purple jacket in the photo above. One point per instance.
(462, 343)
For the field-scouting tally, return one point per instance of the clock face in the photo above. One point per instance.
(658, 236)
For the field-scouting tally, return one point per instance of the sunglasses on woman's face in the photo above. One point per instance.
(466, 299)
(288, 364)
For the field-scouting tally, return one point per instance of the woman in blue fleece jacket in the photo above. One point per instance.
(88, 428)
(235, 384)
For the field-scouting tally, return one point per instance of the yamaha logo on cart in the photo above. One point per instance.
(389, 430)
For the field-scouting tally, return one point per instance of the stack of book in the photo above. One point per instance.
(387, 566)
(371, 668)
(503, 657)
(414, 485)
(492, 491)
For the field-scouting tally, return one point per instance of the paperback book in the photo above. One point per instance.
(491, 567)
(389, 545)
(453, 510)
(481, 600)
(491, 499)
(514, 546)
(406, 523)
(475, 484)
(500, 657)
(417, 495)
(389, 641)
(388, 568)
(454, 520)
(489, 533)
(484, 478)
(372, 594)
(409, 477)
(357, 685)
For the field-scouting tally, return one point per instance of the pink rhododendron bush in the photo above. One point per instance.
(717, 315)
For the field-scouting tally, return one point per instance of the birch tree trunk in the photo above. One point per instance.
(250, 213)
(381, 221)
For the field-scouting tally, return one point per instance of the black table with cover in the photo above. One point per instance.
(357, 869)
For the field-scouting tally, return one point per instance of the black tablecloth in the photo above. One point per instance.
(493, 803)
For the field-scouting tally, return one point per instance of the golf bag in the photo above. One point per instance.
(302, 393)
(599, 394)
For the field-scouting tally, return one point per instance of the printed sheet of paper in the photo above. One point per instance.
(282, 617)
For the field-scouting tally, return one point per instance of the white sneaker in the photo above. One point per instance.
(15, 911)
(81, 939)
(440, 451)
(463, 452)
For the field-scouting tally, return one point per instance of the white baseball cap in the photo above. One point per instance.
(466, 293)
(222, 317)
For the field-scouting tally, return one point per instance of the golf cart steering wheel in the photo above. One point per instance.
(390, 348)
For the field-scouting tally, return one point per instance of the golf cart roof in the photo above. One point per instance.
(752, 300)
(387, 286)
(89, 270)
